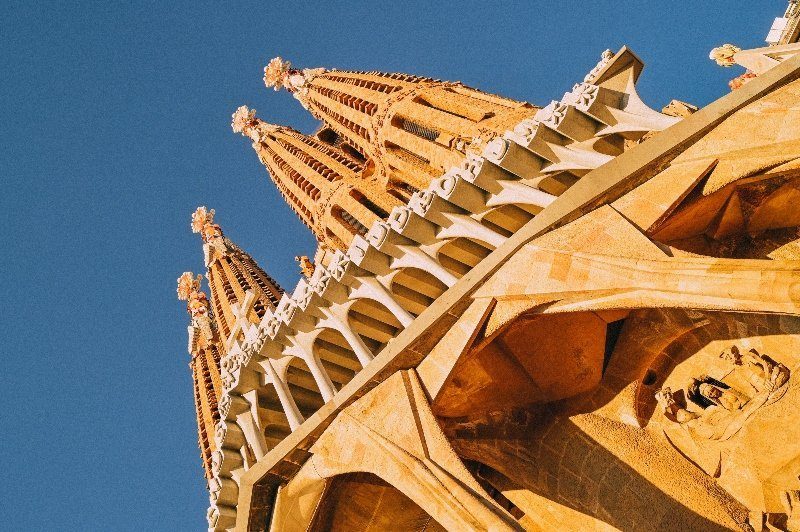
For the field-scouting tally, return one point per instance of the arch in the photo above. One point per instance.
(274, 423)
(336, 356)
(508, 218)
(348, 221)
(415, 289)
(367, 203)
(364, 501)
(373, 322)
(303, 387)
(460, 255)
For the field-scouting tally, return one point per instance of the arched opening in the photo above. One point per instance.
(273, 418)
(365, 502)
(507, 218)
(369, 204)
(303, 387)
(336, 356)
(460, 255)
(374, 323)
(348, 221)
(415, 289)
(415, 128)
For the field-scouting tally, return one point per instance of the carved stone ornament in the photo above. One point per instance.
(224, 405)
(212, 516)
(339, 267)
(552, 114)
(196, 301)
(527, 128)
(582, 95)
(279, 74)
(723, 55)
(496, 149)
(720, 409)
(605, 57)
(203, 223)
(740, 81)
(243, 118)
(421, 201)
(306, 266)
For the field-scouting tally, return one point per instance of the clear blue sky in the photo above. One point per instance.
(114, 126)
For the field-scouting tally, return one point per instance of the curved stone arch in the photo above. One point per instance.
(505, 219)
(415, 289)
(460, 255)
(351, 500)
(274, 422)
(373, 322)
(336, 355)
(612, 144)
(302, 386)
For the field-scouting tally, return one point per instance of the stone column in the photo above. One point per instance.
(293, 414)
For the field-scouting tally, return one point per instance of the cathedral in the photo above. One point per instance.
(583, 315)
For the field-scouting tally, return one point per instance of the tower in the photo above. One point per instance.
(407, 129)
(322, 183)
(205, 353)
(231, 274)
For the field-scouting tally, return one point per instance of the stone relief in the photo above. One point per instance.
(791, 502)
(723, 409)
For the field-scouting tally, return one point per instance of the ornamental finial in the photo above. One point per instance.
(279, 74)
(203, 223)
(243, 118)
(189, 291)
(723, 55)
(276, 72)
(188, 283)
(244, 121)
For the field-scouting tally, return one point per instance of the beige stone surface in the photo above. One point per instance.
(570, 377)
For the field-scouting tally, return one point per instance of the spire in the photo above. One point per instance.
(231, 274)
(203, 347)
(322, 184)
(408, 128)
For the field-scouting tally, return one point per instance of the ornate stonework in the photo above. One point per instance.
(576, 317)
(723, 55)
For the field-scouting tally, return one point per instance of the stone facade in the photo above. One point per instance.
(583, 316)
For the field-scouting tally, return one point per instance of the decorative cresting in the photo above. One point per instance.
(320, 182)
(408, 128)
(338, 319)
(204, 365)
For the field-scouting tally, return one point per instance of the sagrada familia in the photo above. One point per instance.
(580, 316)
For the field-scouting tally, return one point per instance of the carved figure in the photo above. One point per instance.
(726, 409)
(706, 392)
(791, 501)
(671, 408)
(306, 266)
(763, 373)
